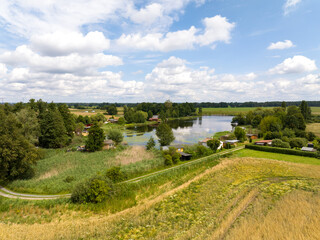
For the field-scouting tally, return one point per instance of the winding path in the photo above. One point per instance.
(10, 194)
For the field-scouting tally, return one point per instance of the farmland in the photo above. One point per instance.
(315, 128)
(216, 202)
(233, 111)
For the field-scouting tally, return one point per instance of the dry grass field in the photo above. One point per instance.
(240, 198)
(314, 127)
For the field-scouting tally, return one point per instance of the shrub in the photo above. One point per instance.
(115, 174)
(240, 134)
(69, 179)
(298, 142)
(115, 135)
(168, 160)
(175, 158)
(227, 146)
(151, 143)
(121, 121)
(214, 144)
(281, 150)
(279, 143)
(93, 190)
(202, 151)
(311, 136)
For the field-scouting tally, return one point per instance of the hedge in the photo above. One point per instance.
(282, 150)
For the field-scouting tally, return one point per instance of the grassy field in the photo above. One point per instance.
(314, 127)
(228, 111)
(277, 156)
(52, 171)
(234, 111)
(240, 198)
(91, 112)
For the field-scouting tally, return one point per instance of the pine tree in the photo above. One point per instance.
(68, 119)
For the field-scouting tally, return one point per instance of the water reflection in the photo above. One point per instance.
(185, 131)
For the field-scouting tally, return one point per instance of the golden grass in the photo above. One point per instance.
(241, 198)
(314, 127)
(295, 216)
(49, 174)
(133, 154)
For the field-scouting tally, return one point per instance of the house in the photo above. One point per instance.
(252, 136)
(108, 144)
(308, 149)
(185, 156)
(204, 141)
(231, 142)
(155, 118)
(264, 142)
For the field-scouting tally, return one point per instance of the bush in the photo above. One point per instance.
(115, 174)
(280, 144)
(202, 151)
(93, 190)
(115, 135)
(298, 142)
(121, 121)
(214, 144)
(69, 179)
(240, 134)
(176, 158)
(227, 146)
(168, 160)
(151, 143)
(281, 150)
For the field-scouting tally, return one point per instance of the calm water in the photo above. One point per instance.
(185, 131)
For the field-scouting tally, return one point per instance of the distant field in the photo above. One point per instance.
(228, 111)
(314, 127)
(91, 112)
(315, 110)
(234, 111)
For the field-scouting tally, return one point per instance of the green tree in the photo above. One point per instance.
(270, 123)
(17, 154)
(294, 119)
(200, 111)
(151, 143)
(95, 139)
(213, 144)
(112, 110)
(165, 134)
(240, 134)
(150, 114)
(284, 105)
(53, 132)
(121, 121)
(30, 127)
(305, 110)
(68, 119)
(115, 135)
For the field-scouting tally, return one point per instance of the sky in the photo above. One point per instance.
(155, 50)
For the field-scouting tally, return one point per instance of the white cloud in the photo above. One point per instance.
(23, 56)
(3, 69)
(281, 45)
(297, 64)
(217, 29)
(290, 5)
(64, 43)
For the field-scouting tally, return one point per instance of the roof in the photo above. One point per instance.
(308, 149)
(185, 154)
(109, 141)
(231, 141)
(205, 140)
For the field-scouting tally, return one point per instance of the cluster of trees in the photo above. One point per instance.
(143, 111)
(286, 125)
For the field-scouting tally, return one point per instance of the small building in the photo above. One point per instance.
(185, 156)
(108, 144)
(231, 142)
(252, 136)
(179, 148)
(111, 120)
(263, 142)
(204, 141)
(308, 149)
(155, 118)
(310, 145)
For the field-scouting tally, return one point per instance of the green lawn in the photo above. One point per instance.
(276, 156)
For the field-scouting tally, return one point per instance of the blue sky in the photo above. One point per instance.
(182, 50)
